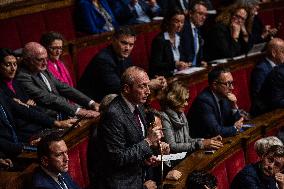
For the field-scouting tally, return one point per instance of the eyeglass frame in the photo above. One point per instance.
(227, 84)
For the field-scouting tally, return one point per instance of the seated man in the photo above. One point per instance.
(53, 159)
(215, 111)
(134, 11)
(191, 40)
(274, 57)
(265, 174)
(201, 179)
(47, 91)
(108, 65)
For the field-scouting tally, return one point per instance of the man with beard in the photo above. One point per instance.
(265, 174)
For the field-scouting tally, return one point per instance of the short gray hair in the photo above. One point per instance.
(262, 145)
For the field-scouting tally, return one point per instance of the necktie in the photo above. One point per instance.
(221, 111)
(44, 79)
(137, 119)
(62, 182)
(7, 123)
(195, 37)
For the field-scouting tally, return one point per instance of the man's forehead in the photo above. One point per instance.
(226, 76)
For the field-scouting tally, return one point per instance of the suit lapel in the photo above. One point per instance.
(130, 117)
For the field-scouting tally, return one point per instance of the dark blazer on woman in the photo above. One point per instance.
(88, 18)
(121, 149)
(162, 59)
(252, 177)
(205, 119)
(220, 43)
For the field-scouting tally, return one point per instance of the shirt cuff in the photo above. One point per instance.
(78, 109)
(91, 102)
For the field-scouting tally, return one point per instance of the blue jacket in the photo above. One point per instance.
(89, 20)
(43, 181)
(251, 177)
(205, 119)
(125, 15)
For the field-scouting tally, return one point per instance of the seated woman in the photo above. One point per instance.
(94, 16)
(165, 53)
(176, 131)
(53, 42)
(228, 37)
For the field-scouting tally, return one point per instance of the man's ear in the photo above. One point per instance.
(126, 89)
(44, 161)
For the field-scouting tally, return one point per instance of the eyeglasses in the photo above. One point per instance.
(239, 17)
(227, 84)
(56, 48)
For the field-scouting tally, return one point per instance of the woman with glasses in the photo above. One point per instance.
(228, 37)
(53, 42)
(176, 130)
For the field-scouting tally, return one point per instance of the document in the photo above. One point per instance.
(173, 156)
(189, 71)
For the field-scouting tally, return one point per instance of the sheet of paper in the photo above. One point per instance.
(173, 156)
(189, 70)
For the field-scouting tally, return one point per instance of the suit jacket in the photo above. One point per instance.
(220, 44)
(53, 101)
(272, 93)
(205, 119)
(126, 15)
(258, 77)
(89, 19)
(162, 58)
(187, 44)
(121, 151)
(167, 5)
(251, 177)
(105, 71)
(41, 180)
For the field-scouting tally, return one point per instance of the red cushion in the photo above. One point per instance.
(234, 164)
(252, 156)
(60, 20)
(267, 17)
(31, 27)
(149, 36)
(83, 159)
(9, 35)
(139, 54)
(85, 55)
(241, 89)
(192, 95)
(75, 169)
(221, 174)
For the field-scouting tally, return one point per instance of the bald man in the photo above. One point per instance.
(274, 57)
(49, 92)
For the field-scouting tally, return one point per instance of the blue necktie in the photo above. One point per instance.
(7, 123)
(195, 37)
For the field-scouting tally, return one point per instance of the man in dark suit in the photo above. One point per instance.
(274, 57)
(265, 174)
(108, 65)
(134, 11)
(46, 90)
(125, 145)
(53, 158)
(215, 111)
(191, 40)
